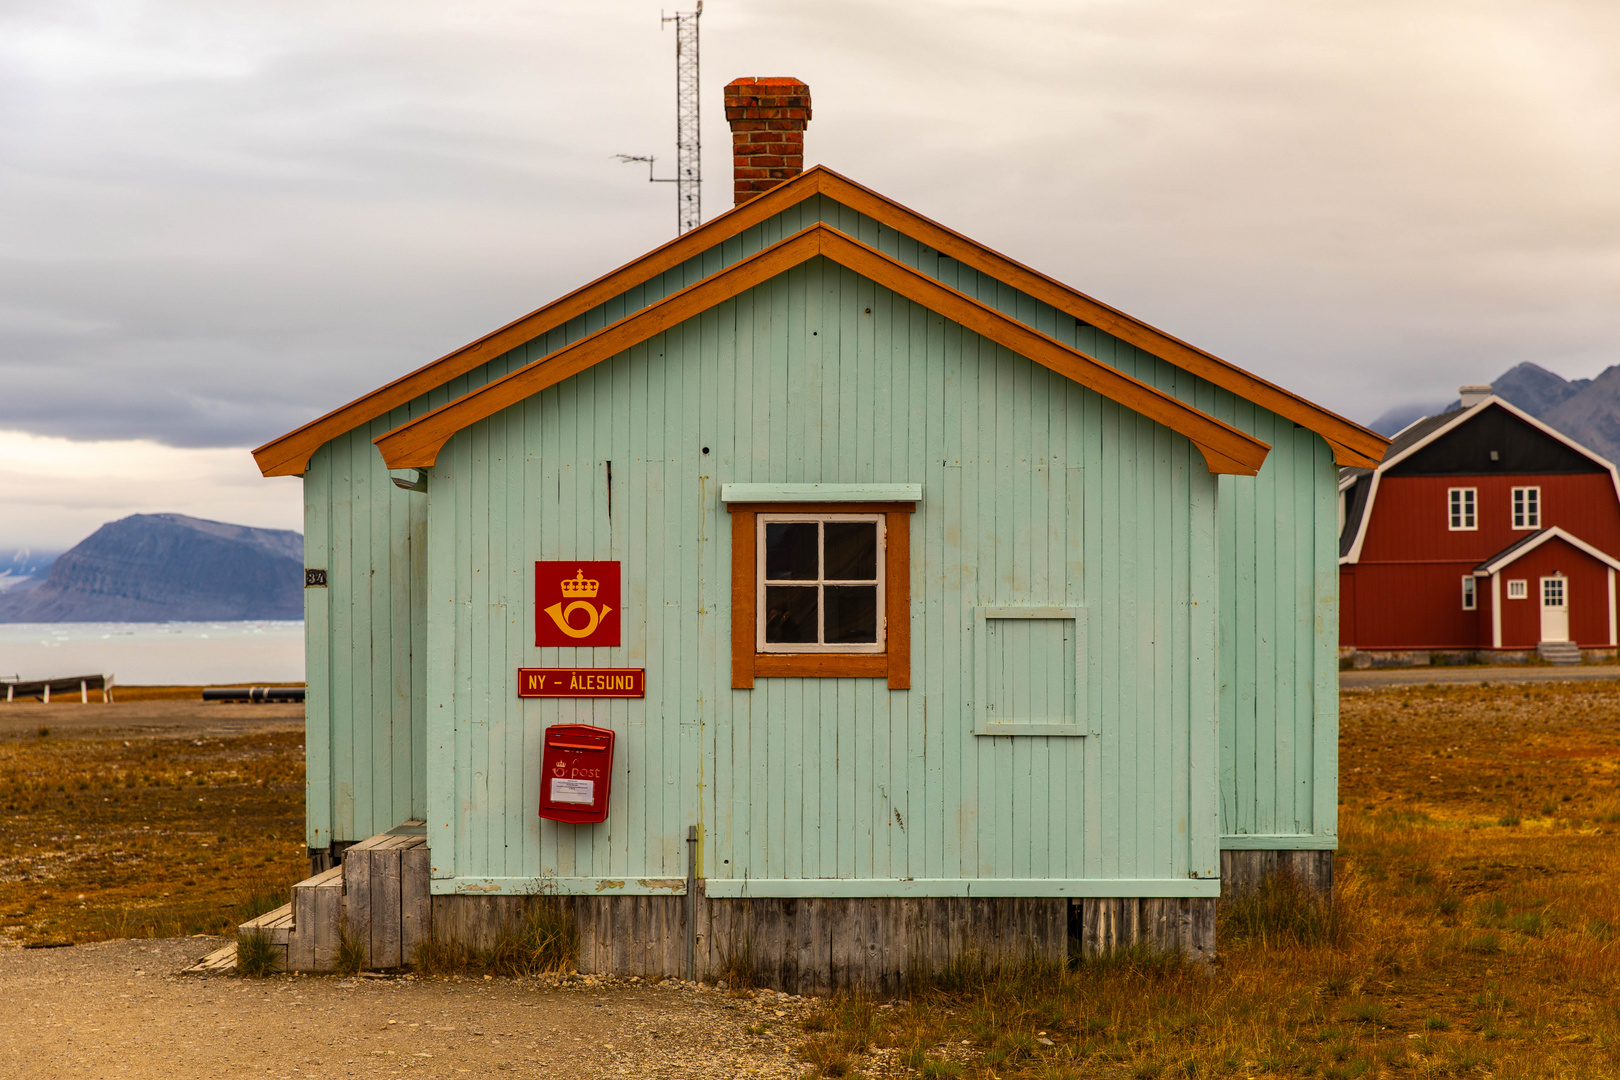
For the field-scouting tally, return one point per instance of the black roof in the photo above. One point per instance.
(1419, 430)
(1359, 490)
(1493, 440)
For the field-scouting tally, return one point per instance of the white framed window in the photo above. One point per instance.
(1470, 597)
(1527, 508)
(1462, 505)
(820, 583)
(1518, 589)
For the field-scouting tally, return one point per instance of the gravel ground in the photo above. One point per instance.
(121, 1009)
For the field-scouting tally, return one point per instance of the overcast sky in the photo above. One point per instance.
(218, 221)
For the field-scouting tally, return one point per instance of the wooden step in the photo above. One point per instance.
(317, 906)
(222, 961)
(386, 902)
(277, 925)
(379, 894)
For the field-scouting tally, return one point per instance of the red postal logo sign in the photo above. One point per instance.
(576, 604)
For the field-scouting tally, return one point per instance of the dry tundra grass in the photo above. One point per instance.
(1474, 933)
(146, 837)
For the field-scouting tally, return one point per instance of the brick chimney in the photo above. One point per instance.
(768, 118)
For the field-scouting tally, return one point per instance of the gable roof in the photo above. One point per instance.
(1432, 429)
(1424, 433)
(1526, 544)
(1418, 433)
(416, 444)
(1352, 444)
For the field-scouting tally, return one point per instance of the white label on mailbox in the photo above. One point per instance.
(575, 791)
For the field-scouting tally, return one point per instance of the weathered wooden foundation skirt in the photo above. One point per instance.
(1244, 870)
(878, 945)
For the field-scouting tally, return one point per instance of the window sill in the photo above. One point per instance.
(822, 665)
(1035, 728)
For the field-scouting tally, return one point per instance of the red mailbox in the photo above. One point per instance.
(576, 770)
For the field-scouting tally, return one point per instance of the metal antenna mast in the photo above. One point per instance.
(688, 130)
(688, 178)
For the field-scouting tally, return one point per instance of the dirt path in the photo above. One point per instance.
(1469, 676)
(145, 719)
(120, 1009)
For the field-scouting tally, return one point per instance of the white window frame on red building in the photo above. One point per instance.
(1462, 509)
(1527, 507)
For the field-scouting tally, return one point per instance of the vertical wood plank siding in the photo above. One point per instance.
(1278, 728)
(1279, 621)
(1036, 492)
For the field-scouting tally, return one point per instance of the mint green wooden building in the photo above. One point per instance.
(1105, 656)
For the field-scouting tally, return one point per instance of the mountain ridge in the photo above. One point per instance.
(168, 567)
(1586, 410)
(24, 568)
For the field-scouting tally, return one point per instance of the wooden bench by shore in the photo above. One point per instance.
(42, 689)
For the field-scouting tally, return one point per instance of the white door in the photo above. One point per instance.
(1555, 609)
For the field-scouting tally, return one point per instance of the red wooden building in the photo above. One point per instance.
(1483, 530)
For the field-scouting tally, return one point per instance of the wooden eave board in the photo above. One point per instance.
(1226, 449)
(1351, 443)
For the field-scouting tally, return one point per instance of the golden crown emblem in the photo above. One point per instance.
(580, 585)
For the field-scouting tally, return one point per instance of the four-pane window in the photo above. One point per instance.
(1527, 508)
(1462, 508)
(821, 583)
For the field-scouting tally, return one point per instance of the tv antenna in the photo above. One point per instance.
(688, 178)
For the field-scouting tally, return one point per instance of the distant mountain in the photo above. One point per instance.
(163, 567)
(1402, 417)
(1587, 410)
(1536, 390)
(1590, 416)
(23, 569)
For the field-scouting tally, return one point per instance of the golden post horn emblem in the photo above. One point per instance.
(578, 586)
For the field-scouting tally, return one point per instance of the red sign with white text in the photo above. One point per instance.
(576, 604)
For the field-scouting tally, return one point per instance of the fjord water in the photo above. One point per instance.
(156, 654)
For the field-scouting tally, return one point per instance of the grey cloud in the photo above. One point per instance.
(221, 222)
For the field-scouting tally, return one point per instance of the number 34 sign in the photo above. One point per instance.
(576, 604)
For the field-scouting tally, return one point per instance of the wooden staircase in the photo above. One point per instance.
(378, 895)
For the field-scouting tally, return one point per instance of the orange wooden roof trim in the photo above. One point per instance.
(417, 444)
(1352, 444)
(289, 455)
